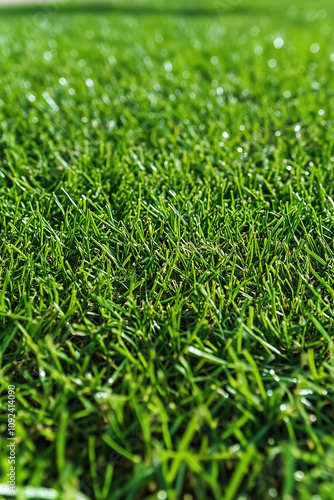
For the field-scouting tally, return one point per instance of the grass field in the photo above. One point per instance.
(166, 250)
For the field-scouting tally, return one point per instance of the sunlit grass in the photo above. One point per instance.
(166, 243)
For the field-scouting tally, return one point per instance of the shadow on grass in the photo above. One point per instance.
(128, 9)
(211, 9)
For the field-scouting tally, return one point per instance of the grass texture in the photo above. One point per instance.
(166, 250)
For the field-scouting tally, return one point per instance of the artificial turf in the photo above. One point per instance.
(166, 250)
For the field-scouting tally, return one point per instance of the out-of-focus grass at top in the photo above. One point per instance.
(183, 7)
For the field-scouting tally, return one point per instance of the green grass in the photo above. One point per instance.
(166, 243)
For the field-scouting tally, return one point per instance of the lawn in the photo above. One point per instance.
(166, 249)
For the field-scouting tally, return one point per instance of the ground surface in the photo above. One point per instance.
(11, 2)
(166, 243)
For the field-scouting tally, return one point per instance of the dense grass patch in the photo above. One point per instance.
(166, 243)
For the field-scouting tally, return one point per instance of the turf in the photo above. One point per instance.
(166, 242)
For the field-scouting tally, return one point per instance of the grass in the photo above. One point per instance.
(166, 242)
